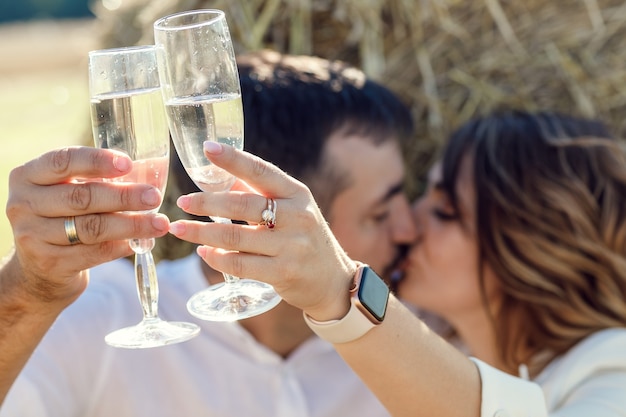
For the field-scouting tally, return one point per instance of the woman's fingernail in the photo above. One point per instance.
(213, 148)
(178, 229)
(201, 251)
(150, 197)
(184, 201)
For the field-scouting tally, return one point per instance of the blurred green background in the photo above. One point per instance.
(43, 83)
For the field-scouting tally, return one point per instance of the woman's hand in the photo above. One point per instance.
(300, 256)
(63, 185)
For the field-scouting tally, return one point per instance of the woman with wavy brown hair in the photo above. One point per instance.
(540, 202)
(522, 244)
(521, 247)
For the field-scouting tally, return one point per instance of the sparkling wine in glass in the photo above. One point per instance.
(128, 115)
(200, 85)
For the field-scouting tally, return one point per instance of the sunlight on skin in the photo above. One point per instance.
(40, 109)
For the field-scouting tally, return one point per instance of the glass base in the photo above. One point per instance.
(233, 301)
(152, 333)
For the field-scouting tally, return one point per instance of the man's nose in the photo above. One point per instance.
(417, 214)
(403, 225)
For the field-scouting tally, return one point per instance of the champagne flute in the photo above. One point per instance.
(128, 115)
(200, 85)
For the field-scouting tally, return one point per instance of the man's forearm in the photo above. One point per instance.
(23, 323)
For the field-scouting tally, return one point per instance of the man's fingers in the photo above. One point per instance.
(91, 229)
(73, 162)
(96, 228)
(67, 261)
(84, 198)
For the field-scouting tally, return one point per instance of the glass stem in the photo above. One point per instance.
(146, 276)
(230, 279)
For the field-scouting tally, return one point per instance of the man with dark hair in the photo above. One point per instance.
(322, 122)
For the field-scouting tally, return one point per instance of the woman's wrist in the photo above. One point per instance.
(369, 296)
(338, 303)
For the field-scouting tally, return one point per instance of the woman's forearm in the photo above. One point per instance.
(412, 370)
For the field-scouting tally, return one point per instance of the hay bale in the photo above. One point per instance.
(450, 60)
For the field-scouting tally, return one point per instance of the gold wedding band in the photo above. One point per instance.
(70, 230)
(268, 215)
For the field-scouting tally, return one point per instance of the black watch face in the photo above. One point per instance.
(373, 293)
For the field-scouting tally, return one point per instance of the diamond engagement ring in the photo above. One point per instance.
(269, 214)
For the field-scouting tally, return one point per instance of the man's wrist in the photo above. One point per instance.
(19, 294)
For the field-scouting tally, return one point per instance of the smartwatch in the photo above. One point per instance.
(368, 303)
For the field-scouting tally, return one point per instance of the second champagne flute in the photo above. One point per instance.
(200, 85)
(127, 115)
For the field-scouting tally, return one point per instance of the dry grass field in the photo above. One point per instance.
(43, 94)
